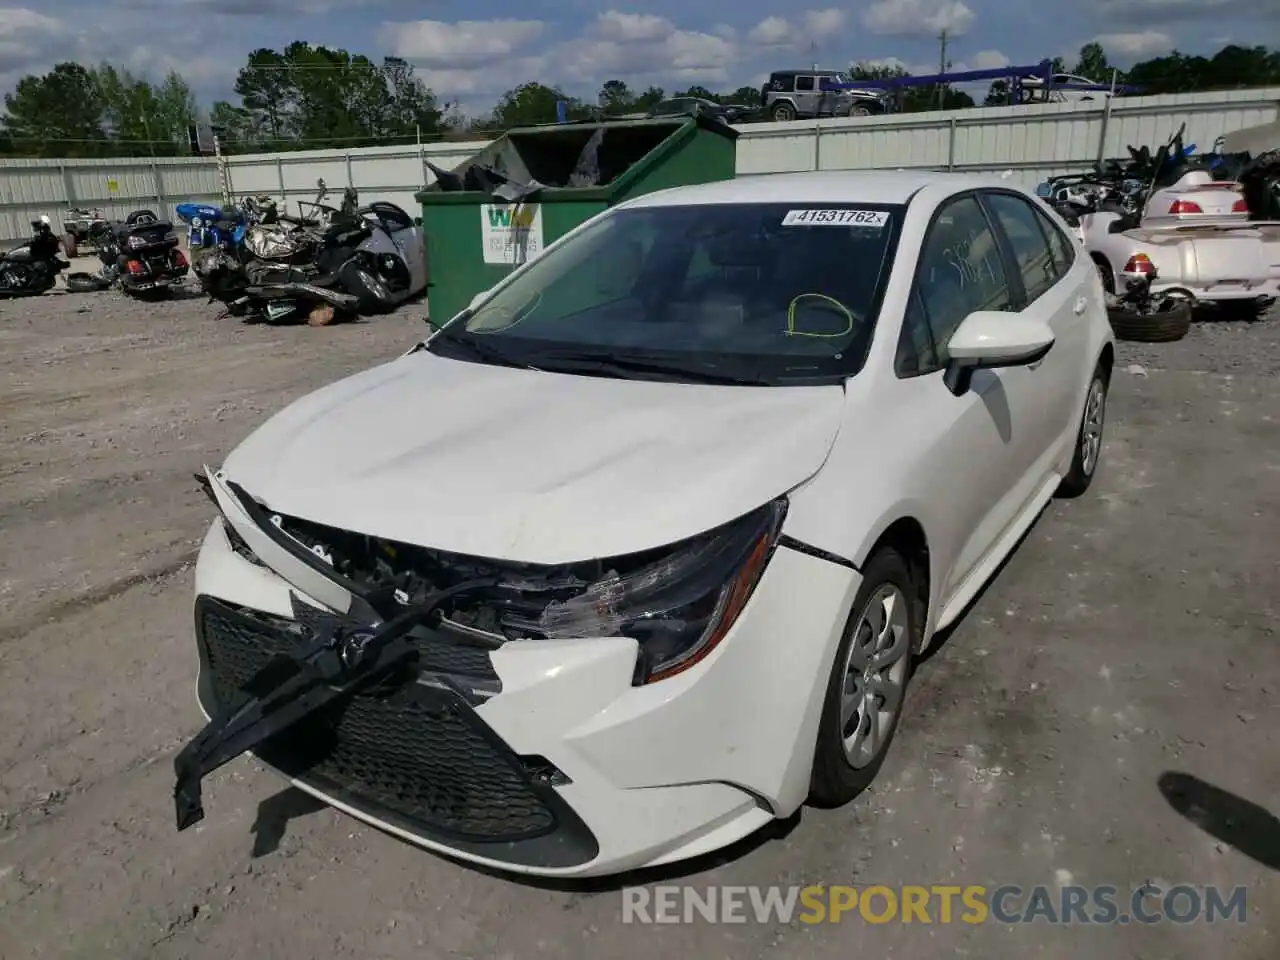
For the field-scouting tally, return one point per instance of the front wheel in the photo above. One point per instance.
(1084, 461)
(369, 288)
(868, 682)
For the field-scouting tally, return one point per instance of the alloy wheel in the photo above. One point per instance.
(875, 674)
(1091, 430)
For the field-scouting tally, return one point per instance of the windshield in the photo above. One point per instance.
(763, 293)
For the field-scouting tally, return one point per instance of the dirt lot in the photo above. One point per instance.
(1132, 636)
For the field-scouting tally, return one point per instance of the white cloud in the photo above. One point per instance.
(619, 27)
(821, 23)
(918, 18)
(466, 43)
(1186, 11)
(1142, 44)
(989, 60)
(771, 32)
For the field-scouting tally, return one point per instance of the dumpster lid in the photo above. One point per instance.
(589, 158)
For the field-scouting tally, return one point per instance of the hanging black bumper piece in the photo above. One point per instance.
(341, 660)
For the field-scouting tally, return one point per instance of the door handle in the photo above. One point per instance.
(1082, 304)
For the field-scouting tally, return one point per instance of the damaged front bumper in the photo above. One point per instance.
(534, 756)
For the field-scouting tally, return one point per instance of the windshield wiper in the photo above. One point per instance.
(477, 347)
(338, 662)
(624, 366)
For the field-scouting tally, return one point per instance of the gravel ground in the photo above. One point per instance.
(1132, 637)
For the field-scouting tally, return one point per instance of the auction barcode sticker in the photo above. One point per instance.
(836, 218)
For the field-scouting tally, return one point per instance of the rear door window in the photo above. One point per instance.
(1030, 246)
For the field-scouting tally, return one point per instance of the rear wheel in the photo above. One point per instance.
(783, 113)
(868, 682)
(1104, 273)
(1084, 462)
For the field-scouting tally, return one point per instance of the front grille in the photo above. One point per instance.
(416, 755)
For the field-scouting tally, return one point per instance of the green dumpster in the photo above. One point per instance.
(558, 176)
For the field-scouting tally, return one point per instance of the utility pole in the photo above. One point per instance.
(813, 52)
(942, 68)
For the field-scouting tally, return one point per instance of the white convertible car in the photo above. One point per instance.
(636, 554)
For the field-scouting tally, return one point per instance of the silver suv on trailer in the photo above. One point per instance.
(805, 94)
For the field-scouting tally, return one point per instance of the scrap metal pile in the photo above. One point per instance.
(326, 264)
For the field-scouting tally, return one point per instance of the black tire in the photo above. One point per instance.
(70, 246)
(83, 283)
(370, 290)
(1162, 326)
(834, 780)
(1105, 273)
(860, 111)
(782, 113)
(1088, 446)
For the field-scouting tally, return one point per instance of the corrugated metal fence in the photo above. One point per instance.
(30, 189)
(1033, 141)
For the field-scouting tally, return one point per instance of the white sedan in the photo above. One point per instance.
(636, 554)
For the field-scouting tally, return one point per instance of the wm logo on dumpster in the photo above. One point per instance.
(507, 217)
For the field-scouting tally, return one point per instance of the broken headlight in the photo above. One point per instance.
(679, 606)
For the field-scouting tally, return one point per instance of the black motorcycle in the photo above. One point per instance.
(33, 267)
(140, 255)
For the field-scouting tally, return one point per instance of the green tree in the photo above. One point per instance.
(237, 127)
(1093, 64)
(912, 99)
(56, 115)
(144, 119)
(650, 98)
(265, 88)
(697, 91)
(413, 108)
(616, 98)
(997, 94)
(747, 96)
(531, 103)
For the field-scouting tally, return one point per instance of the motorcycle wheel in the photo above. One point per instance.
(368, 288)
(84, 283)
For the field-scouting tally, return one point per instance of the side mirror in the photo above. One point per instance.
(989, 339)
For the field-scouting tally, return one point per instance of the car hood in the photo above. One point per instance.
(530, 466)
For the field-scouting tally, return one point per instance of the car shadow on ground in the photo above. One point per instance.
(1237, 822)
(274, 814)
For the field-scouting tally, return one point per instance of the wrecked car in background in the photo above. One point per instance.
(1182, 221)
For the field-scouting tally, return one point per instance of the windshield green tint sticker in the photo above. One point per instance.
(836, 218)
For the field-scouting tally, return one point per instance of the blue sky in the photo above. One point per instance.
(472, 51)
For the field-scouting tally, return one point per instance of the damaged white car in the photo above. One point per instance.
(636, 554)
(1188, 231)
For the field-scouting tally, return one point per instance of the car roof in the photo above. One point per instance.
(807, 73)
(834, 186)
